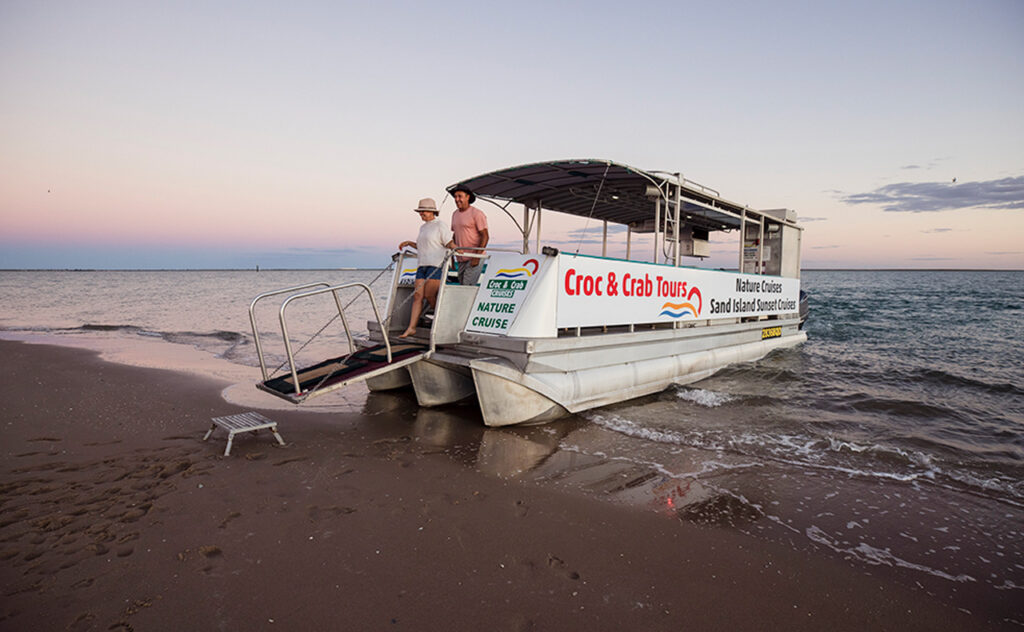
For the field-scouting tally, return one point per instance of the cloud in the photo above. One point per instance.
(823, 247)
(804, 220)
(924, 197)
(937, 230)
(324, 251)
(1003, 253)
(613, 229)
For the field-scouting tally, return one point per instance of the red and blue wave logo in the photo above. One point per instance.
(518, 273)
(678, 310)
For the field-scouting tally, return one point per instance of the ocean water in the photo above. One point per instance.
(894, 437)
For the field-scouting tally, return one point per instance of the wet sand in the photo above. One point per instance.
(117, 516)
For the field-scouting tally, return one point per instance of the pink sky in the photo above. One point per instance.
(138, 137)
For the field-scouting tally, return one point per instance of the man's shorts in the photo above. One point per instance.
(469, 275)
(428, 272)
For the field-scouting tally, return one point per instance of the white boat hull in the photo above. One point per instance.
(440, 383)
(399, 378)
(508, 396)
(534, 381)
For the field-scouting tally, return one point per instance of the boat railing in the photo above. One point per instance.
(395, 304)
(252, 317)
(333, 290)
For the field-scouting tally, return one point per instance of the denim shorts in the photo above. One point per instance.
(428, 272)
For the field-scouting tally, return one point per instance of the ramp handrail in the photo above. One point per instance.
(341, 312)
(252, 317)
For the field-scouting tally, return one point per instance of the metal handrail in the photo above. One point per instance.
(252, 318)
(334, 290)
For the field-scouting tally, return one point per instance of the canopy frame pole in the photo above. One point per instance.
(743, 236)
(537, 221)
(526, 229)
(760, 248)
(679, 206)
(657, 227)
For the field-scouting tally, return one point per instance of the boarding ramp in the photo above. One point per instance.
(299, 384)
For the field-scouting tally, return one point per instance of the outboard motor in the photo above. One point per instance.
(803, 308)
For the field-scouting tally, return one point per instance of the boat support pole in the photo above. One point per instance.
(657, 227)
(538, 225)
(743, 236)
(526, 229)
(675, 235)
(760, 247)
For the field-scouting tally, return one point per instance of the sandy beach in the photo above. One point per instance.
(117, 516)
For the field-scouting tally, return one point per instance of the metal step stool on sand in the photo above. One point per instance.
(242, 422)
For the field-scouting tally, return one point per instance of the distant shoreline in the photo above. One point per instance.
(378, 269)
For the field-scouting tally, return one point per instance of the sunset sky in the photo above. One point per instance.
(301, 135)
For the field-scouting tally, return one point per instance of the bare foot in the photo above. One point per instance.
(408, 332)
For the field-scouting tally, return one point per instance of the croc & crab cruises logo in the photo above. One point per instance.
(407, 277)
(678, 310)
(518, 273)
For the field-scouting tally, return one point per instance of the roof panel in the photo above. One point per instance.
(601, 189)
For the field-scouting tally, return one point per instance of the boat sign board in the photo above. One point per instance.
(594, 291)
(509, 279)
(407, 273)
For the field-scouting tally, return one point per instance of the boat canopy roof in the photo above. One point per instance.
(610, 191)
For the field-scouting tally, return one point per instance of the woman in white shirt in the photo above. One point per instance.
(431, 245)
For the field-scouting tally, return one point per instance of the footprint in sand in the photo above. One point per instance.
(83, 621)
(317, 514)
(557, 565)
(231, 516)
(210, 551)
(522, 509)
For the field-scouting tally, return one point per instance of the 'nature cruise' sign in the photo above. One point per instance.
(594, 291)
(507, 282)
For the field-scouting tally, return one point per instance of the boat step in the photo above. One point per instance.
(242, 422)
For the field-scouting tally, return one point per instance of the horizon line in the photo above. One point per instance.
(355, 269)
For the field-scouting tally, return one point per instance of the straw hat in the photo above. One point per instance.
(427, 204)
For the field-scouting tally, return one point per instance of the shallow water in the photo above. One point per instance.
(892, 437)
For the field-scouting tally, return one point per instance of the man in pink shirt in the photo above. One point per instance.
(469, 225)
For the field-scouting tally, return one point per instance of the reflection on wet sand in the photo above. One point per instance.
(572, 454)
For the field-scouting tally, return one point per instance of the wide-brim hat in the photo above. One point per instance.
(427, 205)
(464, 189)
